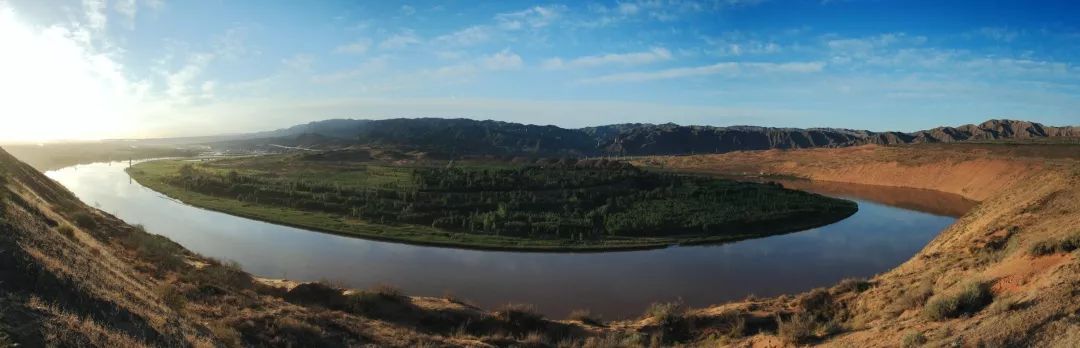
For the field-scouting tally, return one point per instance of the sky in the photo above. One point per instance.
(93, 69)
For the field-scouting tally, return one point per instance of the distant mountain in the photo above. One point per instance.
(466, 136)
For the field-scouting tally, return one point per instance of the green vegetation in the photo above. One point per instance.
(971, 298)
(566, 204)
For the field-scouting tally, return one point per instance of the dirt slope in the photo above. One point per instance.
(1005, 274)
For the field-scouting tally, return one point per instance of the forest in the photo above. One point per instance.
(578, 200)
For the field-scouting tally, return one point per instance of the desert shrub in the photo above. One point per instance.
(586, 317)
(302, 333)
(852, 285)
(671, 319)
(1002, 305)
(914, 298)
(819, 304)
(667, 313)
(731, 324)
(797, 329)
(66, 231)
(913, 339)
(85, 220)
(971, 298)
(172, 297)
(317, 294)
(1053, 246)
(535, 338)
(226, 334)
(157, 249)
(381, 300)
(227, 274)
(614, 339)
(521, 317)
(388, 292)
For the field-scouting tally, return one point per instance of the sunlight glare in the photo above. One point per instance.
(54, 87)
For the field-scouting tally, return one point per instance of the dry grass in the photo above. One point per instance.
(586, 317)
(969, 299)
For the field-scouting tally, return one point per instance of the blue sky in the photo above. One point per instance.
(170, 68)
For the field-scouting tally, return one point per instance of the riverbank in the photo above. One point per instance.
(158, 176)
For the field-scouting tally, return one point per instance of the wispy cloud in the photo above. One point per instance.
(367, 68)
(533, 17)
(359, 46)
(180, 84)
(503, 60)
(400, 40)
(995, 33)
(473, 35)
(722, 68)
(626, 59)
(96, 18)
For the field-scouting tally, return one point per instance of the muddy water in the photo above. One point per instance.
(891, 225)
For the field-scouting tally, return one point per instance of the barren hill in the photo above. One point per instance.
(472, 137)
(1005, 274)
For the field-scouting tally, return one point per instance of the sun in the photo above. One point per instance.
(55, 87)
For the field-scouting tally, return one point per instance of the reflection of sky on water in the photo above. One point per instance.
(616, 284)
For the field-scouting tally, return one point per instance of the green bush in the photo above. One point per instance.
(970, 299)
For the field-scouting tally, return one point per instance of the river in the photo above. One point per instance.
(891, 225)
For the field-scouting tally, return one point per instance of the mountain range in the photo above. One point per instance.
(467, 137)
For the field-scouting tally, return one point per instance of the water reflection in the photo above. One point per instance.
(615, 284)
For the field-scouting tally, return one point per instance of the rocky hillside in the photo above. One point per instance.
(471, 137)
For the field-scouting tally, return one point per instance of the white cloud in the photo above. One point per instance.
(96, 18)
(359, 46)
(722, 68)
(400, 40)
(533, 17)
(655, 54)
(179, 84)
(500, 61)
(867, 44)
(473, 35)
(997, 34)
(408, 10)
(503, 60)
(128, 8)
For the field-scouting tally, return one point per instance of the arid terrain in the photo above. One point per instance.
(1003, 274)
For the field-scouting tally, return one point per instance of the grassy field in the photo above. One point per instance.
(162, 176)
